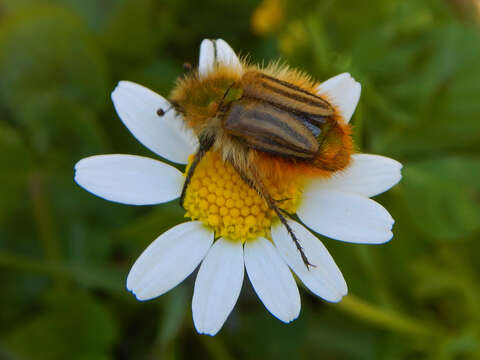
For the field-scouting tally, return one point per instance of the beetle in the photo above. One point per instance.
(264, 122)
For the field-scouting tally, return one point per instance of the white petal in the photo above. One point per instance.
(165, 135)
(217, 286)
(226, 55)
(169, 260)
(213, 52)
(343, 91)
(272, 280)
(345, 216)
(367, 175)
(206, 62)
(324, 278)
(129, 179)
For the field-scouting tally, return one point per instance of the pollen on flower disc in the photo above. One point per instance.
(225, 203)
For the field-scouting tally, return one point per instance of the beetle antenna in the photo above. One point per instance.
(161, 112)
(173, 106)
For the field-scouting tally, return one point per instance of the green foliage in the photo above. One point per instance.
(50, 66)
(443, 196)
(11, 186)
(65, 254)
(85, 328)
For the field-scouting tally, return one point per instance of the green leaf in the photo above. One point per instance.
(96, 13)
(443, 195)
(107, 279)
(143, 230)
(174, 313)
(429, 101)
(71, 326)
(134, 20)
(15, 162)
(52, 73)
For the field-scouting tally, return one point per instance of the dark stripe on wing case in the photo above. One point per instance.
(325, 104)
(299, 98)
(282, 125)
(307, 117)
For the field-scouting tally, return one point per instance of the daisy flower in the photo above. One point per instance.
(231, 229)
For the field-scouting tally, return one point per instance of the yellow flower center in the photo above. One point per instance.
(219, 198)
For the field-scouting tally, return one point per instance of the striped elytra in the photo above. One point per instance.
(283, 94)
(277, 117)
(265, 127)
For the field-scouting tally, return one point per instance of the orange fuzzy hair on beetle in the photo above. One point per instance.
(268, 123)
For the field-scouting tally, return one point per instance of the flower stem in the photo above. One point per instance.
(22, 263)
(43, 217)
(106, 279)
(388, 319)
(358, 126)
(215, 348)
(44, 222)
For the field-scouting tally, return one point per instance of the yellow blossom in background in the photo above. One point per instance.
(292, 38)
(268, 17)
(476, 3)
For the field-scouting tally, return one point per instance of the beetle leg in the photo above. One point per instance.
(205, 145)
(279, 212)
(256, 183)
(282, 200)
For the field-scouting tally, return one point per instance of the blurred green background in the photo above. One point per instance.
(65, 254)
